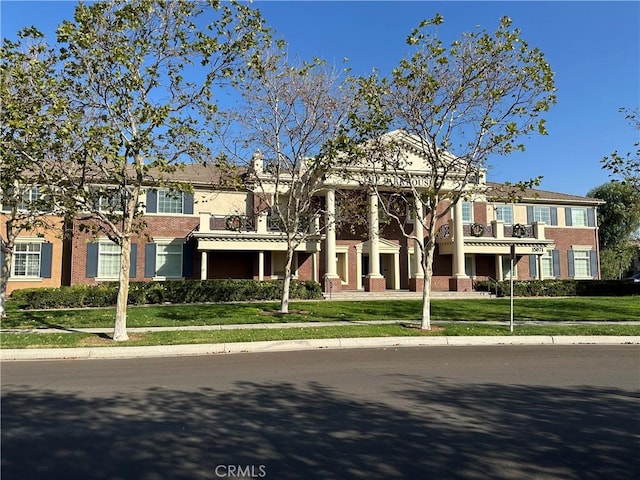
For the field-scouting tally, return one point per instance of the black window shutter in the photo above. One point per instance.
(556, 263)
(133, 258)
(187, 205)
(187, 260)
(533, 266)
(150, 260)
(46, 254)
(92, 260)
(572, 270)
(593, 258)
(152, 201)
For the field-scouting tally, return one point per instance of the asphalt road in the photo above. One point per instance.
(565, 412)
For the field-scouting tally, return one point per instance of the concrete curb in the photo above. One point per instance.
(297, 345)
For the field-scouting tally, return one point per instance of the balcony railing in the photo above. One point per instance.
(234, 223)
(495, 230)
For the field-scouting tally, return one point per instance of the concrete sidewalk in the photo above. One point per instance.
(292, 345)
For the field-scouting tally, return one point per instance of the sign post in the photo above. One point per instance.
(513, 257)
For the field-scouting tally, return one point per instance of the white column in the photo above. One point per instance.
(418, 230)
(539, 261)
(359, 285)
(330, 247)
(314, 266)
(396, 271)
(261, 265)
(499, 272)
(458, 241)
(203, 265)
(374, 235)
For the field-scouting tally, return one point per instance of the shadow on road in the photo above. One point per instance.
(439, 431)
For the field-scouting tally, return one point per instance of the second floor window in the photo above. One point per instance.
(467, 212)
(29, 196)
(505, 214)
(579, 217)
(542, 214)
(169, 202)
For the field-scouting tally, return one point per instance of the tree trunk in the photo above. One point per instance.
(284, 302)
(7, 251)
(120, 327)
(425, 323)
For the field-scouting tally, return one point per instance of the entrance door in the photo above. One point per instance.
(387, 270)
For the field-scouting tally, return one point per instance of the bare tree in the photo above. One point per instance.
(453, 107)
(292, 115)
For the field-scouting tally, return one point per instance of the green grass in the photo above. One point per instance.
(477, 310)
(45, 340)
(460, 317)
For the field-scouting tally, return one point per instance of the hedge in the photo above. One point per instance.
(560, 288)
(141, 293)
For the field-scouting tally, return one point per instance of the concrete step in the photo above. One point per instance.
(400, 295)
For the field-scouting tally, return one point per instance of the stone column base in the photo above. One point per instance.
(375, 284)
(416, 284)
(460, 284)
(332, 284)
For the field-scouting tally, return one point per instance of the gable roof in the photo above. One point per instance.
(534, 195)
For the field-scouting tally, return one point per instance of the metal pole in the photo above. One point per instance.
(513, 254)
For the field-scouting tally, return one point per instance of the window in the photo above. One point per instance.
(579, 217)
(108, 260)
(467, 212)
(169, 260)
(506, 268)
(114, 201)
(169, 202)
(547, 265)
(505, 214)
(32, 194)
(26, 260)
(542, 214)
(582, 263)
(469, 265)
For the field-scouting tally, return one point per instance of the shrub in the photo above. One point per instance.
(187, 291)
(560, 288)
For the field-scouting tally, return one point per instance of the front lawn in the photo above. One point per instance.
(55, 340)
(573, 309)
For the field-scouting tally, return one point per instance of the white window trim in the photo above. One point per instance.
(23, 241)
(502, 205)
(164, 242)
(21, 207)
(470, 221)
(167, 190)
(101, 278)
(548, 255)
(541, 207)
(506, 259)
(586, 217)
(582, 248)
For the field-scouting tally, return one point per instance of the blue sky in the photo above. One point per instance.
(593, 48)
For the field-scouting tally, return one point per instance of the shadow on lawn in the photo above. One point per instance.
(440, 431)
